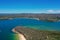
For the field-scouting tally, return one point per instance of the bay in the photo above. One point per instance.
(6, 26)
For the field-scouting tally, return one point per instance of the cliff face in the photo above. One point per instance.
(33, 34)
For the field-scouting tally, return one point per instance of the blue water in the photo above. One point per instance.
(6, 26)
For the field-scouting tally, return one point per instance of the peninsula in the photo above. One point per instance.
(33, 34)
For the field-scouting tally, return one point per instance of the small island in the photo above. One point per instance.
(33, 34)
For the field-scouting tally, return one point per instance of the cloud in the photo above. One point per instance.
(50, 11)
(53, 11)
(58, 11)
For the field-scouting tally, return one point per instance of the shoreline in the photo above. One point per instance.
(20, 36)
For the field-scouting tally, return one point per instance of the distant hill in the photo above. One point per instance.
(42, 16)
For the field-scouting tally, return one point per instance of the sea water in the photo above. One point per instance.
(6, 26)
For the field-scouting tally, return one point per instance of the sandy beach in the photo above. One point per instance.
(21, 36)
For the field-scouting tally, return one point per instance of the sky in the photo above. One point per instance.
(29, 6)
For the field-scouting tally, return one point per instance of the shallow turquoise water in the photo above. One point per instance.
(6, 26)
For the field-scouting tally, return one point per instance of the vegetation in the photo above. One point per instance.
(45, 17)
(33, 34)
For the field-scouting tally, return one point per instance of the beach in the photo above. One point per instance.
(21, 36)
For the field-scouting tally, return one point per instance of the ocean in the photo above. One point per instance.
(6, 26)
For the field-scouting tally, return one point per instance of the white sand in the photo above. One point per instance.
(21, 36)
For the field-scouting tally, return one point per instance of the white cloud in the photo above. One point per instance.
(53, 11)
(30, 11)
(58, 11)
(50, 11)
